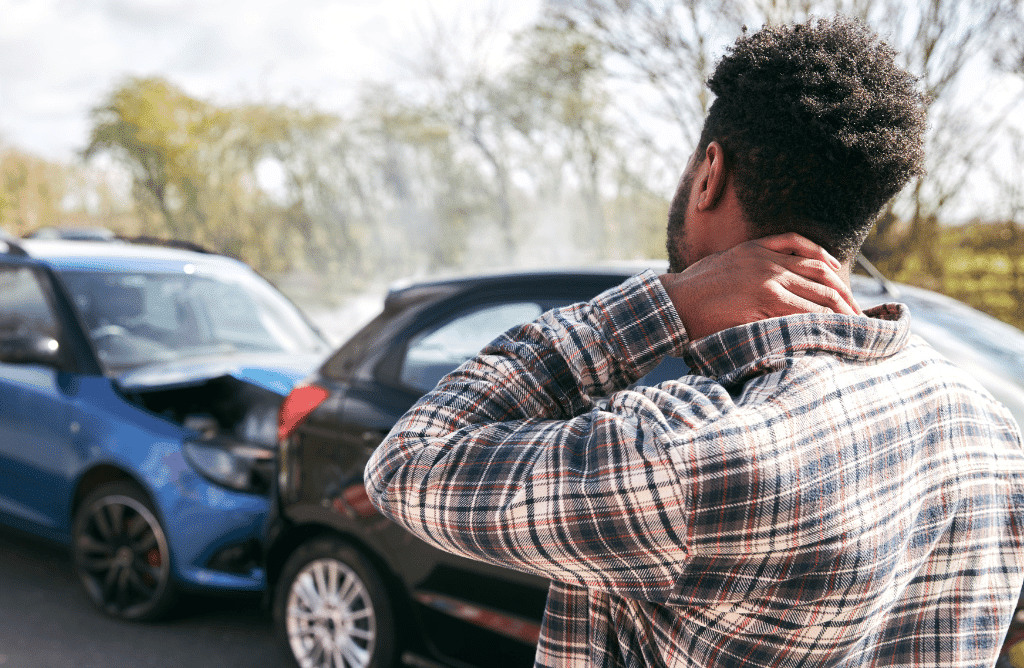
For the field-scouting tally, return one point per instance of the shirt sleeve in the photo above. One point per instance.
(513, 459)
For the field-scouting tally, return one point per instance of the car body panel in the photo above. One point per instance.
(33, 481)
(92, 426)
(67, 254)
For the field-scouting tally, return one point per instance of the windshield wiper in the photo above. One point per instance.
(884, 283)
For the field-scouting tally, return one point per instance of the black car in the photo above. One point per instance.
(348, 587)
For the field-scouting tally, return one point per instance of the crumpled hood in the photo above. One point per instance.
(277, 373)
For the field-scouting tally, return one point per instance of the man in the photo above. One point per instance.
(824, 490)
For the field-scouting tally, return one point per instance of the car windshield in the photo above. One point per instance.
(136, 319)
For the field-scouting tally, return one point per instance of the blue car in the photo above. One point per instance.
(139, 390)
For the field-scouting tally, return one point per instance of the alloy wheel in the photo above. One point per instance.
(330, 618)
(121, 556)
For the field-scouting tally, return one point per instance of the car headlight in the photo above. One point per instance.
(239, 466)
(259, 425)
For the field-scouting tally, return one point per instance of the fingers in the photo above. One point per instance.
(791, 243)
(807, 259)
(817, 282)
(816, 297)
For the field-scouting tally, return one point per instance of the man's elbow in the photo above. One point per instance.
(376, 476)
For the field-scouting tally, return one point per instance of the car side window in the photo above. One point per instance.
(24, 307)
(433, 353)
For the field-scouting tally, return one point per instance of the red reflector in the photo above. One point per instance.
(297, 405)
(355, 502)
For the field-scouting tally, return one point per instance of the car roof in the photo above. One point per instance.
(407, 291)
(623, 268)
(63, 254)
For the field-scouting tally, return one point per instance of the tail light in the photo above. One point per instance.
(297, 406)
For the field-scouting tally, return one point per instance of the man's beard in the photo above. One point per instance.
(675, 241)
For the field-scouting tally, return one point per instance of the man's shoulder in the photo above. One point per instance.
(960, 393)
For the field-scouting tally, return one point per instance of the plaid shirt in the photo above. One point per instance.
(824, 491)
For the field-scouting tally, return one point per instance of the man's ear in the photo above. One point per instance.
(712, 178)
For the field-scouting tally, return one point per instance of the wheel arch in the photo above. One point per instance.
(296, 534)
(290, 540)
(99, 475)
(102, 486)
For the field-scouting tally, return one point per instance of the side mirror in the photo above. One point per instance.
(30, 349)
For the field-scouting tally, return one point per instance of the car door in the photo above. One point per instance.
(35, 424)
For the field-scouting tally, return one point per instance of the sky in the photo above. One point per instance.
(61, 58)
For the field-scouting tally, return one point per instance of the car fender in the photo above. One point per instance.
(107, 430)
(365, 531)
(112, 432)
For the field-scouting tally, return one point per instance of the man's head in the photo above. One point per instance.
(815, 126)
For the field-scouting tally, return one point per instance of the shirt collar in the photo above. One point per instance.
(736, 354)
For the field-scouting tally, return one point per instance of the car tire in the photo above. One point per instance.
(121, 555)
(332, 609)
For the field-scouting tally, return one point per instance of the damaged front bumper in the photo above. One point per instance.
(214, 533)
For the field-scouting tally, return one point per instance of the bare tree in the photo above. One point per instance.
(660, 53)
(952, 45)
(665, 50)
(453, 66)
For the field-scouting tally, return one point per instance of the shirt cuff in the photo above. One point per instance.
(640, 320)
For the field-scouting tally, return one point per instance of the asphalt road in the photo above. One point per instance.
(47, 622)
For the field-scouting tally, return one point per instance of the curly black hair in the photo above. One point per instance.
(820, 128)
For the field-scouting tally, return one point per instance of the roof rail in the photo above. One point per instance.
(87, 233)
(169, 243)
(10, 244)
